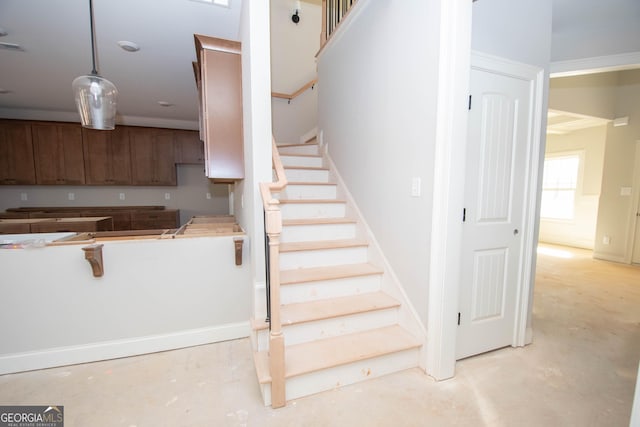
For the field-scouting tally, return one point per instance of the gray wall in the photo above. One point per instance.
(190, 195)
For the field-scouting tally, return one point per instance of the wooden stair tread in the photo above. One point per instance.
(310, 183)
(309, 201)
(319, 156)
(304, 144)
(321, 244)
(303, 312)
(303, 275)
(330, 352)
(317, 221)
(261, 362)
(308, 168)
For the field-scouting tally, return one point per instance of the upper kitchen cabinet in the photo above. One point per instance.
(58, 153)
(152, 156)
(16, 154)
(189, 147)
(220, 86)
(107, 156)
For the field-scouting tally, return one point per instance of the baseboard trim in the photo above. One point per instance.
(93, 352)
(607, 257)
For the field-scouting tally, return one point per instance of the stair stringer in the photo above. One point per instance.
(408, 316)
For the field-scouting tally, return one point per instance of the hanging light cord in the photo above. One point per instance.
(93, 47)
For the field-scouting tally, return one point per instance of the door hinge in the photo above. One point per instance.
(464, 214)
(458, 319)
(469, 102)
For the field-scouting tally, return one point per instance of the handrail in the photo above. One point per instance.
(273, 228)
(297, 93)
(333, 12)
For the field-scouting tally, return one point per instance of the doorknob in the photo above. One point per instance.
(515, 231)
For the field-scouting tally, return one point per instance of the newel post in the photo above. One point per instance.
(273, 226)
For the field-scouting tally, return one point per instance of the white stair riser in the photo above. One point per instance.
(307, 175)
(323, 257)
(329, 379)
(312, 210)
(326, 328)
(288, 160)
(295, 191)
(300, 149)
(311, 331)
(307, 233)
(323, 289)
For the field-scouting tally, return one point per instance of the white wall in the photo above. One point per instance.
(581, 230)
(155, 295)
(256, 98)
(616, 210)
(377, 114)
(190, 195)
(293, 64)
(591, 95)
(610, 95)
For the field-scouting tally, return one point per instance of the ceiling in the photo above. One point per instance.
(55, 42)
(562, 122)
(54, 38)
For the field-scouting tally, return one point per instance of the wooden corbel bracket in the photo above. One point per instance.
(93, 254)
(238, 242)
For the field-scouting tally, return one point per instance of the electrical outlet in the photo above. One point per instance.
(72, 196)
(167, 196)
(24, 197)
(606, 240)
(121, 196)
(208, 196)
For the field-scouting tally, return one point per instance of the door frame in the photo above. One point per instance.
(635, 208)
(445, 263)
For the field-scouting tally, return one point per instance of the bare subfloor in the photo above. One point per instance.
(580, 371)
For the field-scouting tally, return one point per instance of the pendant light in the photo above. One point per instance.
(95, 96)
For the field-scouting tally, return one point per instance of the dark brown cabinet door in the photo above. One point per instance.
(152, 156)
(107, 156)
(58, 154)
(16, 154)
(189, 147)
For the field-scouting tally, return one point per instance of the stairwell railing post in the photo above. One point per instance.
(273, 227)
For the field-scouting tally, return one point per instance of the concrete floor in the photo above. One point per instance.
(580, 371)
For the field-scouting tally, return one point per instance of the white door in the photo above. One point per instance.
(498, 147)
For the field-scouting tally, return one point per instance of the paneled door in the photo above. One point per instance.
(497, 159)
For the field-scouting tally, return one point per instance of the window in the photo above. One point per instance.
(559, 184)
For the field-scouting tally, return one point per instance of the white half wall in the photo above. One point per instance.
(155, 295)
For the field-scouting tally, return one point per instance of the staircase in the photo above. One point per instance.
(339, 326)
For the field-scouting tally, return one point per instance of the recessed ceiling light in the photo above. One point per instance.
(223, 3)
(129, 46)
(3, 32)
(10, 46)
(165, 104)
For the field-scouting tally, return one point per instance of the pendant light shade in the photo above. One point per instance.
(96, 101)
(95, 96)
